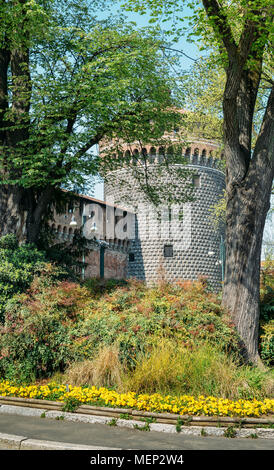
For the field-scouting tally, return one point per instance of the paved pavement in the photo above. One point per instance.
(105, 436)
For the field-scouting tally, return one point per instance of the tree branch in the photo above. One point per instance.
(264, 151)
(221, 26)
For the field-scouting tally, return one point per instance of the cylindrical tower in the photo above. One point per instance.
(181, 244)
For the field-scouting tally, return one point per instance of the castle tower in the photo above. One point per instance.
(181, 244)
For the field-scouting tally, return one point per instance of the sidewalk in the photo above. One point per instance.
(25, 429)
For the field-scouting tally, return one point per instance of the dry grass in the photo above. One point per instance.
(173, 369)
(170, 368)
(104, 371)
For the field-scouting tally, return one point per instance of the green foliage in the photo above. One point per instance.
(35, 338)
(145, 427)
(112, 422)
(133, 316)
(218, 213)
(179, 425)
(169, 367)
(71, 404)
(18, 265)
(230, 432)
(168, 338)
(85, 78)
(267, 313)
(56, 322)
(67, 255)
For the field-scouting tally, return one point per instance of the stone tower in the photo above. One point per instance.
(181, 244)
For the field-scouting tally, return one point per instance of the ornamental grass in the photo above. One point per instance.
(182, 405)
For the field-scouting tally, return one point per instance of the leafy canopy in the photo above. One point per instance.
(83, 78)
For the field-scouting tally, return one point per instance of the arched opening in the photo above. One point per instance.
(70, 232)
(161, 154)
(152, 154)
(135, 155)
(59, 231)
(144, 154)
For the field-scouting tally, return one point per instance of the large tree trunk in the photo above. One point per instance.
(37, 206)
(247, 206)
(22, 211)
(249, 183)
(12, 213)
(249, 171)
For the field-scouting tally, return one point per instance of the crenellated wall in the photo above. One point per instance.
(85, 212)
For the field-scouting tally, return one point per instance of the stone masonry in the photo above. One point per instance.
(182, 244)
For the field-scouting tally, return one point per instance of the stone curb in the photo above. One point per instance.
(194, 430)
(14, 442)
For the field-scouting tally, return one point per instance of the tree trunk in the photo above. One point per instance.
(37, 206)
(22, 211)
(12, 213)
(247, 206)
(249, 184)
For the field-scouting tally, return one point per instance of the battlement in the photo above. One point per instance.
(201, 160)
(189, 159)
(200, 152)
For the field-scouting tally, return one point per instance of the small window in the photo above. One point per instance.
(196, 181)
(70, 207)
(168, 251)
(131, 257)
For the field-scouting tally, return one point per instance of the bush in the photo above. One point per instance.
(35, 340)
(57, 322)
(266, 343)
(170, 338)
(18, 265)
(133, 315)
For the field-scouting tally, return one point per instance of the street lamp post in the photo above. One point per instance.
(103, 245)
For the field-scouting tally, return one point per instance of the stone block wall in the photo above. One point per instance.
(192, 243)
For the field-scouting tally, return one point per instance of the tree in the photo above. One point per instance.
(67, 79)
(239, 34)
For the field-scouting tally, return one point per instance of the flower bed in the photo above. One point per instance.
(185, 404)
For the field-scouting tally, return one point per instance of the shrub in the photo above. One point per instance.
(18, 265)
(56, 322)
(266, 336)
(131, 316)
(33, 345)
(35, 340)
